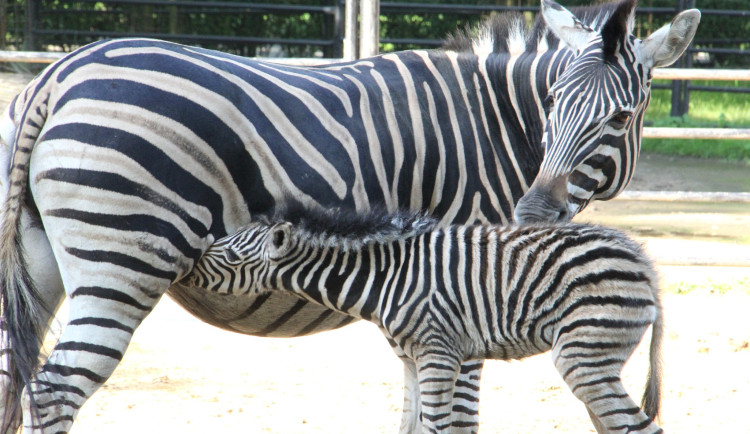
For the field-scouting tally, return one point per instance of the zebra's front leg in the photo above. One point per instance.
(411, 420)
(437, 373)
(465, 400)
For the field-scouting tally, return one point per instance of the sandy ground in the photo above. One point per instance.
(181, 375)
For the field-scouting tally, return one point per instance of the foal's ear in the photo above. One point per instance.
(566, 26)
(279, 240)
(667, 44)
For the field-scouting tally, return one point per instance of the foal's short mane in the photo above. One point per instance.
(508, 32)
(348, 227)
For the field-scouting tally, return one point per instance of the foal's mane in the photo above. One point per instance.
(347, 228)
(508, 32)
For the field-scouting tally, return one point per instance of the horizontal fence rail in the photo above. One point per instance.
(697, 133)
(685, 196)
(702, 74)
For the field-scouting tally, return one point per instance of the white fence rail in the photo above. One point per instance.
(685, 196)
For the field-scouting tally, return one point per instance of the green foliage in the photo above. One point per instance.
(739, 286)
(707, 110)
(81, 22)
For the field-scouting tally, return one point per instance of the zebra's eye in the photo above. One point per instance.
(620, 119)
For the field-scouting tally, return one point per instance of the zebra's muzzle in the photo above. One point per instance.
(545, 202)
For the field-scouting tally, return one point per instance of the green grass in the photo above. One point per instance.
(709, 287)
(707, 110)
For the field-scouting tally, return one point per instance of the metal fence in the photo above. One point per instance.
(245, 28)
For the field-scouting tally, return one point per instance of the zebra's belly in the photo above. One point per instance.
(271, 314)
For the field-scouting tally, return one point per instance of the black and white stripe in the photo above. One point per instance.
(129, 157)
(444, 296)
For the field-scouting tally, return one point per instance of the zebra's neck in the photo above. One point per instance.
(520, 83)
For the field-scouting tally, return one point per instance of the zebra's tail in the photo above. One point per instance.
(652, 394)
(22, 306)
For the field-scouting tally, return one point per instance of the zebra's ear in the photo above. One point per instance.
(667, 44)
(279, 240)
(566, 26)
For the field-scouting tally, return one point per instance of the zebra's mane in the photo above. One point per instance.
(348, 229)
(508, 32)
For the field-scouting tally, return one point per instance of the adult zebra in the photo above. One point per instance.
(443, 296)
(136, 154)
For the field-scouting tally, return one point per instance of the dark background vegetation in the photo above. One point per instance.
(253, 27)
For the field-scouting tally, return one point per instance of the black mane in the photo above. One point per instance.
(347, 224)
(501, 28)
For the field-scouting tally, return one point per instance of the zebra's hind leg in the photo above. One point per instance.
(43, 270)
(591, 364)
(106, 306)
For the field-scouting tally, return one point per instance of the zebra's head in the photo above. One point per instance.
(242, 263)
(596, 107)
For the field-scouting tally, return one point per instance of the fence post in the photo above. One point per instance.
(173, 19)
(678, 86)
(29, 41)
(688, 60)
(338, 29)
(369, 35)
(351, 11)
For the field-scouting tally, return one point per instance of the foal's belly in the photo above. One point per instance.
(271, 314)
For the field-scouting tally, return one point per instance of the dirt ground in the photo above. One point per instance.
(181, 375)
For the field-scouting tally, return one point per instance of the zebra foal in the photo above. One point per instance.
(443, 296)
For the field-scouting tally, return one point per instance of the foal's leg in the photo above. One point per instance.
(465, 401)
(465, 417)
(590, 361)
(411, 415)
(437, 375)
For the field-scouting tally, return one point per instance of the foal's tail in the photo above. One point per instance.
(652, 395)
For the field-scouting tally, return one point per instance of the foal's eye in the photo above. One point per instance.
(549, 102)
(231, 256)
(620, 119)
